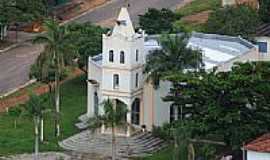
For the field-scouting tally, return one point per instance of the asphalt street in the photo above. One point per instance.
(136, 7)
(15, 63)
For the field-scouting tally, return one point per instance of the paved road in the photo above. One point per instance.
(137, 7)
(15, 64)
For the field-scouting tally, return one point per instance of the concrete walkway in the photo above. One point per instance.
(139, 145)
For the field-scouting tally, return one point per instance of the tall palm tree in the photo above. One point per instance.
(113, 116)
(59, 51)
(35, 107)
(173, 56)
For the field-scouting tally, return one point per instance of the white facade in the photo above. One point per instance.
(228, 2)
(264, 40)
(252, 155)
(112, 75)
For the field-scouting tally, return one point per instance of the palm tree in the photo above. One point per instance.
(174, 56)
(35, 108)
(114, 116)
(59, 51)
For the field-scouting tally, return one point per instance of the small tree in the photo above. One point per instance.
(114, 116)
(156, 21)
(15, 112)
(35, 107)
(174, 56)
(59, 52)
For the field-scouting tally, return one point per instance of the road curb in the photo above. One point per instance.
(86, 12)
(9, 48)
(18, 88)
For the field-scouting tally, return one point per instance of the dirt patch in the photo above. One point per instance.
(84, 5)
(199, 18)
(23, 96)
(183, 4)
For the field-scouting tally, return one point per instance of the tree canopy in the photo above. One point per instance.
(264, 10)
(88, 39)
(234, 20)
(234, 105)
(22, 10)
(174, 56)
(156, 21)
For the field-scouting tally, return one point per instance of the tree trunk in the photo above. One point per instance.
(57, 98)
(41, 130)
(36, 138)
(113, 143)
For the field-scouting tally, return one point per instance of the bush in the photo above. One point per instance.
(163, 132)
(37, 73)
(234, 21)
(158, 21)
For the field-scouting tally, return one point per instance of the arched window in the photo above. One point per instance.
(137, 55)
(122, 57)
(115, 81)
(135, 112)
(111, 56)
(137, 80)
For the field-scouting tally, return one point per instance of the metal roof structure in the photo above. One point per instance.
(216, 49)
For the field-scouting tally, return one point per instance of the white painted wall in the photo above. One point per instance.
(228, 2)
(265, 56)
(162, 109)
(252, 155)
(94, 71)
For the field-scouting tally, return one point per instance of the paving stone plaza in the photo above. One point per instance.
(138, 145)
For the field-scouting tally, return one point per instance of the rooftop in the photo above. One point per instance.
(216, 49)
(261, 144)
(263, 30)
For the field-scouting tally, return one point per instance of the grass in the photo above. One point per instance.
(165, 154)
(21, 139)
(197, 6)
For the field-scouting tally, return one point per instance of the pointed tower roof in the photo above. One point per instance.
(124, 24)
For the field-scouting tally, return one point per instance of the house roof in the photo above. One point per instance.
(263, 30)
(216, 49)
(261, 144)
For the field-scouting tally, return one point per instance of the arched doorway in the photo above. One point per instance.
(96, 103)
(121, 104)
(135, 112)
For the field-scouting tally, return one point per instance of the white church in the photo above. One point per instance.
(117, 73)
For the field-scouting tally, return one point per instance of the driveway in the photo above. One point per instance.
(15, 64)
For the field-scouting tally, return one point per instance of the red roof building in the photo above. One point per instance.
(261, 144)
(259, 149)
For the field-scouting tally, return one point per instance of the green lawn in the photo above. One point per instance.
(197, 6)
(20, 140)
(165, 154)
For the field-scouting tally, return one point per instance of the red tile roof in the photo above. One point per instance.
(261, 144)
